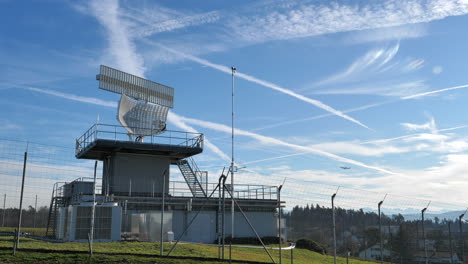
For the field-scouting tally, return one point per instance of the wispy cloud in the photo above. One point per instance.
(437, 69)
(300, 19)
(122, 52)
(264, 83)
(377, 72)
(387, 34)
(157, 19)
(393, 89)
(278, 142)
(430, 125)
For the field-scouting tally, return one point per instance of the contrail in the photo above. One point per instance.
(177, 121)
(323, 115)
(270, 140)
(433, 92)
(264, 83)
(364, 107)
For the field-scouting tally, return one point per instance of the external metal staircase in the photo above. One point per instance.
(191, 173)
(57, 201)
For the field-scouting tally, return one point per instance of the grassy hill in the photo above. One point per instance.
(34, 251)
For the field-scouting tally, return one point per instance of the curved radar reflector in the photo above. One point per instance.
(141, 118)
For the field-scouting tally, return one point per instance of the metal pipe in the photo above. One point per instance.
(93, 211)
(424, 234)
(20, 215)
(161, 246)
(4, 210)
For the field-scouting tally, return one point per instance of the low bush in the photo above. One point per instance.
(311, 245)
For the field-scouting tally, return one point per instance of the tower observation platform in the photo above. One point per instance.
(101, 140)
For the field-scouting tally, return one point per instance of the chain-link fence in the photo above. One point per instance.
(367, 225)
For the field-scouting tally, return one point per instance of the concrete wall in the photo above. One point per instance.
(203, 228)
(136, 174)
(146, 225)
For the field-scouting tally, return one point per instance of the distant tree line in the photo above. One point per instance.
(30, 217)
(357, 230)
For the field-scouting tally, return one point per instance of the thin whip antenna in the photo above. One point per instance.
(337, 189)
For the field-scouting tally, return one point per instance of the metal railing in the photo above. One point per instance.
(180, 189)
(119, 133)
(242, 191)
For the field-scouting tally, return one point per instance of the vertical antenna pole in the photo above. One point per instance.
(232, 164)
(21, 204)
(93, 212)
(4, 210)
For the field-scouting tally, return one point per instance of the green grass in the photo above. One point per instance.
(34, 251)
(39, 231)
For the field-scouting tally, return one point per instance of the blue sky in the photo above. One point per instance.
(320, 84)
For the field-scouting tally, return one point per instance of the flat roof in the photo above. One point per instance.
(99, 149)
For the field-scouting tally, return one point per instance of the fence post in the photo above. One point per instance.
(380, 229)
(35, 212)
(462, 250)
(93, 212)
(424, 234)
(279, 223)
(161, 246)
(450, 240)
(21, 205)
(334, 226)
(4, 210)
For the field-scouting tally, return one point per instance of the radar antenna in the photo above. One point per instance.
(144, 104)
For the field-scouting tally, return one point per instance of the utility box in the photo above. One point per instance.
(74, 222)
(75, 188)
